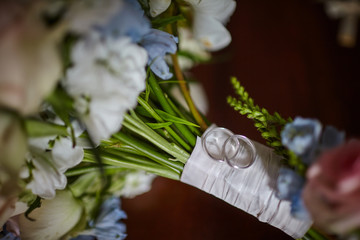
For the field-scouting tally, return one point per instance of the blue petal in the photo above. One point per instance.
(302, 137)
(298, 209)
(107, 225)
(128, 21)
(158, 43)
(288, 184)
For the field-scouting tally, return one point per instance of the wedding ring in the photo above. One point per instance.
(239, 152)
(222, 145)
(213, 142)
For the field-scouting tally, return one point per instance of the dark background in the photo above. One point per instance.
(285, 53)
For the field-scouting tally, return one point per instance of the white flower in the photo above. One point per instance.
(107, 77)
(86, 14)
(209, 19)
(136, 183)
(50, 164)
(53, 219)
(190, 45)
(158, 6)
(30, 64)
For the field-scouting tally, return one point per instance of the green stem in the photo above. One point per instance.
(156, 116)
(313, 234)
(180, 77)
(88, 169)
(178, 112)
(133, 162)
(135, 124)
(166, 106)
(149, 152)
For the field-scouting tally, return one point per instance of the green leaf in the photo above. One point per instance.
(265, 135)
(170, 118)
(36, 128)
(257, 114)
(276, 144)
(142, 111)
(159, 125)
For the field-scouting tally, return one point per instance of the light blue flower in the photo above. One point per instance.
(107, 225)
(302, 137)
(289, 188)
(130, 21)
(298, 208)
(288, 184)
(158, 43)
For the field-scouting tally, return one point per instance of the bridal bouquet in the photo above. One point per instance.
(89, 114)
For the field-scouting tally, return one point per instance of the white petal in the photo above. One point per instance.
(49, 167)
(136, 183)
(211, 33)
(65, 155)
(158, 6)
(45, 178)
(112, 87)
(40, 143)
(53, 219)
(220, 10)
(20, 207)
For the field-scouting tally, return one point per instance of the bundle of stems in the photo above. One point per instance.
(158, 136)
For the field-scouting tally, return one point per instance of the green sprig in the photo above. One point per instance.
(268, 125)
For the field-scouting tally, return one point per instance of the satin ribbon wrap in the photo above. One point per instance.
(250, 189)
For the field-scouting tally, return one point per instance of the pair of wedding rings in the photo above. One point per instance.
(223, 145)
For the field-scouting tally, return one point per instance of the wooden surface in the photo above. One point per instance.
(285, 54)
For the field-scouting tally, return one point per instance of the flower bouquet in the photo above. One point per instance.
(89, 114)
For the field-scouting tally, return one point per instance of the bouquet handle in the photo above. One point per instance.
(251, 189)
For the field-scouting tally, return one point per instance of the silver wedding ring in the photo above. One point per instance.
(222, 145)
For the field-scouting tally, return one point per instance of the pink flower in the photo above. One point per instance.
(332, 192)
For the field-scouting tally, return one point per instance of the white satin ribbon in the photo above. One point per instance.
(251, 189)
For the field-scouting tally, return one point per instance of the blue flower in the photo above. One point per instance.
(302, 137)
(298, 209)
(130, 21)
(107, 225)
(288, 184)
(289, 187)
(158, 43)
